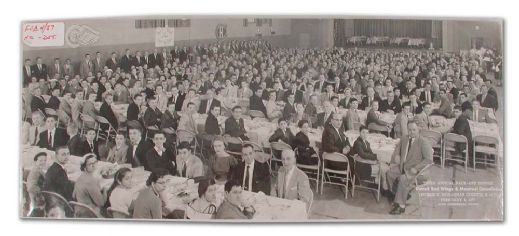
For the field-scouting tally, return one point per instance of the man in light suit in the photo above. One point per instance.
(401, 120)
(292, 183)
(411, 155)
(86, 67)
(188, 165)
(98, 63)
(422, 119)
(27, 72)
(68, 68)
(481, 115)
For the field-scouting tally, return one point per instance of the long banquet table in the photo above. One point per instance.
(179, 190)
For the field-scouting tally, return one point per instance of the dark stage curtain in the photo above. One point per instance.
(393, 28)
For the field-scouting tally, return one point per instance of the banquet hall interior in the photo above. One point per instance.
(327, 110)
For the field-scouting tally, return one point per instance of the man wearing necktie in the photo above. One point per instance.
(411, 155)
(189, 165)
(254, 175)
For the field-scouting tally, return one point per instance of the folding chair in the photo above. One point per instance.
(450, 141)
(311, 170)
(116, 214)
(104, 134)
(486, 145)
(60, 201)
(377, 176)
(84, 211)
(336, 174)
(256, 114)
(277, 147)
(420, 179)
(436, 140)
(86, 121)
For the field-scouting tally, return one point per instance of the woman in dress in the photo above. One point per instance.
(36, 176)
(87, 189)
(204, 207)
(119, 196)
(222, 163)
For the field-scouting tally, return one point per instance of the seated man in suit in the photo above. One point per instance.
(445, 108)
(352, 118)
(334, 140)
(256, 102)
(289, 111)
(367, 101)
(90, 145)
(292, 183)
(54, 101)
(401, 120)
(188, 165)
(37, 101)
(481, 115)
(160, 157)
(52, 137)
(487, 99)
(137, 148)
(232, 206)
(254, 175)
(282, 134)
(235, 125)
(152, 115)
(134, 109)
(422, 119)
(324, 117)
(89, 109)
(75, 141)
(210, 102)
(293, 90)
(373, 118)
(107, 112)
(392, 104)
(361, 147)
(411, 155)
(427, 95)
(462, 127)
(211, 123)
(56, 179)
(345, 102)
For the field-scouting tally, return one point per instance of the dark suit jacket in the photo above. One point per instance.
(126, 63)
(286, 137)
(489, 102)
(396, 106)
(75, 146)
(56, 180)
(363, 149)
(133, 112)
(256, 103)
(107, 112)
(140, 154)
(332, 142)
(298, 95)
(37, 103)
(320, 120)
(260, 176)
(180, 101)
(40, 74)
(53, 103)
(165, 161)
(372, 118)
(203, 105)
(169, 120)
(364, 103)
(234, 128)
(422, 96)
(152, 117)
(85, 148)
(211, 125)
(111, 64)
(288, 110)
(60, 139)
(462, 127)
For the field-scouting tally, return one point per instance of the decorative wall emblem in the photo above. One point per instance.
(81, 35)
(221, 31)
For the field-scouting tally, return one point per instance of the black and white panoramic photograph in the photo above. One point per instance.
(261, 118)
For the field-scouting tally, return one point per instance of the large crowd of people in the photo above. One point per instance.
(168, 90)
